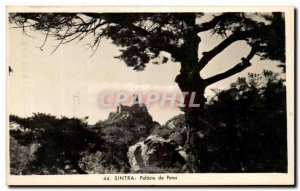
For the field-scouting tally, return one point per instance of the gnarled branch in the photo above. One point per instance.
(208, 56)
(236, 69)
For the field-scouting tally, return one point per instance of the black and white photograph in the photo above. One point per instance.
(150, 96)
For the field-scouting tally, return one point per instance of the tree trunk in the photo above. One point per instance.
(189, 81)
(196, 143)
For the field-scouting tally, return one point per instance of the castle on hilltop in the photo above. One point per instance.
(135, 107)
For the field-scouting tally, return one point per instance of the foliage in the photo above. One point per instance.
(59, 141)
(19, 158)
(249, 132)
(94, 163)
(141, 36)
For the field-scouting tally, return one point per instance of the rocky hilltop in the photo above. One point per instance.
(134, 140)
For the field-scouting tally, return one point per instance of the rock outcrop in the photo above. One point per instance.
(134, 118)
(173, 129)
(156, 155)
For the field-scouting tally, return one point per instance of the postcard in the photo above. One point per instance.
(163, 96)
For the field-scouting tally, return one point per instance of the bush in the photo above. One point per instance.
(55, 143)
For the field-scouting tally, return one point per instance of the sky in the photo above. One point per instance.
(69, 81)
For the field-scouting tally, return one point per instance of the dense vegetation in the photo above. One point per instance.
(245, 132)
(249, 132)
(145, 38)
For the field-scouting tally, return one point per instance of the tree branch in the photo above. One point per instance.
(212, 23)
(83, 27)
(236, 69)
(41, 47)
(60, 41)
(207, 56)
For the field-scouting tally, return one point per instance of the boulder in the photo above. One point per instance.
(155, 155)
